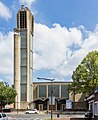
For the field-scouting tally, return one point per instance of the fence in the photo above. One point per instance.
(79, 106)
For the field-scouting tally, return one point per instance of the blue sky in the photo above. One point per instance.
(68, 13)
(65, 31)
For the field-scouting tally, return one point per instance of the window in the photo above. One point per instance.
(23, 74)
(23, 35)
(42, 90)
(23, 53)
(64, 91)
(31, 59)
(23, 21)
(23, 92)
(4, 115)
(23, 70)
(31, 75)
(24, 79)
(24, 62)
(31, 42)
(96, 108)
(49, 90)
(56, 90)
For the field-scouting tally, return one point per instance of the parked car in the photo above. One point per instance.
(88, 114)
(3, 116)
(35, 111)
(6, 109)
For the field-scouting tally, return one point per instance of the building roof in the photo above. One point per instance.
(92, 95)
(60, 82)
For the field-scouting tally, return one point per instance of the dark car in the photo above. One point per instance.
(6, 110)
(88, 114)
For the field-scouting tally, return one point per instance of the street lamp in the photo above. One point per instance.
(49, 79)
(17, 103)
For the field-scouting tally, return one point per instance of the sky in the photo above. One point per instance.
(65, 31)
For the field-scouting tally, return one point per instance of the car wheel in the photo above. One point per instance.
(27, 113)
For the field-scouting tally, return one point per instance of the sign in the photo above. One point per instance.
(51, 100)
(68, 104)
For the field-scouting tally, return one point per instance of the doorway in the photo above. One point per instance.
(40, 107)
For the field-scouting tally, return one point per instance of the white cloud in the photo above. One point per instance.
(6, 55)
(52, 45)
(5, 12)
(27, 2)
(55, 48)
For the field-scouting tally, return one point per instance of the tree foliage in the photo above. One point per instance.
(7, 93)
(85, 77)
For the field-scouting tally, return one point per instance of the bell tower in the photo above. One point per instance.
(23, 57)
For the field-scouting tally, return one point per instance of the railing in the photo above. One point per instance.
(79, 106)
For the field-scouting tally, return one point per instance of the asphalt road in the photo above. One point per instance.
(23, 116)
(29, 116)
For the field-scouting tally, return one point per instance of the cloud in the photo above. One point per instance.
(6, 56)
(56, 49)
(27, 2)
(53, 45)
(61, 50)
(5, 12)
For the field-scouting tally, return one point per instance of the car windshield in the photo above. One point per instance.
(34, 110)
(4, 115)
(0, 116)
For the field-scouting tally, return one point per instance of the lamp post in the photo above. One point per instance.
(49, 79)
(17, 103)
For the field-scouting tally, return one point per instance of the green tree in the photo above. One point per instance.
(7, 94)
(85, 77)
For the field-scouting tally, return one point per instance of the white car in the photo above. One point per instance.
(3, 116)
(35, 111)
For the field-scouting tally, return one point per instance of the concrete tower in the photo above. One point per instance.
(23, 57)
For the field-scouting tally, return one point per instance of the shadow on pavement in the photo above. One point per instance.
(78, 118)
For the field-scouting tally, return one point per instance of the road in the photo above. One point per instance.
(23, 116)
(18, 116)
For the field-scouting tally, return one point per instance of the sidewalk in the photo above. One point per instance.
(68, 118)
(64, 118)
(71, 117)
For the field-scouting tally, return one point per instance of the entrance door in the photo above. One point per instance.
(53, 107)
(40, 107)
(63, 106)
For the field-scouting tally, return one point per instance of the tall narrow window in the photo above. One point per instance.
(23, 21)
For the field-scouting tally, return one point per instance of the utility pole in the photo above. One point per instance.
(49, 79)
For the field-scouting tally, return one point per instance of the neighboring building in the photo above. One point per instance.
(92, 100)
(23, 57)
